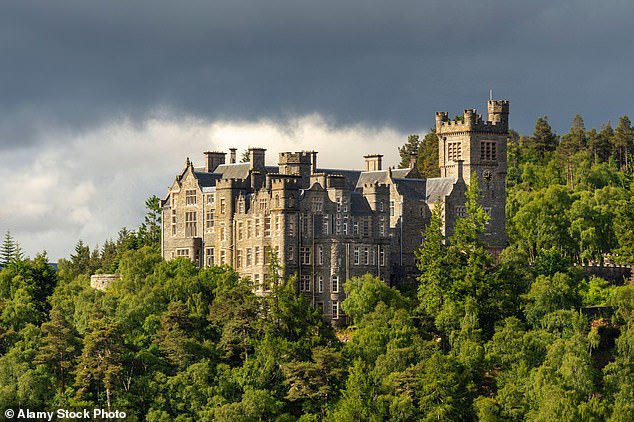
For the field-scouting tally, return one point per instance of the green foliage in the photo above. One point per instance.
(364, 293)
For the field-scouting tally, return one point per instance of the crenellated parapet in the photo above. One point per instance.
(471, 121)
(232, 184)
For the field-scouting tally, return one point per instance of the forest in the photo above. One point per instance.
(528, 335)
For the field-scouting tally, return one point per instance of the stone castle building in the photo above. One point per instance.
(328, 225)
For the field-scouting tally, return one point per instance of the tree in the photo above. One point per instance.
(100, 365)
(365, 292)
(60, 346)
(623, 141)
(409, 151)
(9, 250)
(427, 156)
(150, 230)
(543, 139)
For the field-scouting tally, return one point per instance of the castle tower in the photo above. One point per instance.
(481, 146)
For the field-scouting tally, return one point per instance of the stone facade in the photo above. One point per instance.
(326, 225)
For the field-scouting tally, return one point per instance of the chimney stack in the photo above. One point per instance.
(232, 155)
(373, 162)
(213, 159)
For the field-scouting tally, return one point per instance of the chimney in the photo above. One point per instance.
(232, 156)
(412, 161)
(373, 162)
(256, 158)
(460, 169)
(213, 159)
(313, 162)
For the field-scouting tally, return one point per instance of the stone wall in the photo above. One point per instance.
(102, 281)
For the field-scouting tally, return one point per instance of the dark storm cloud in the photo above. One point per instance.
(76, 64)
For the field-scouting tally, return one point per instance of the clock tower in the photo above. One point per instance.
(481, 146)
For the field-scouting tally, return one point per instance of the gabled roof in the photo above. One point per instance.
(439, 187)
(380, 176)
(239, 170)
(358, 204)
(412, 188)
(206, 179)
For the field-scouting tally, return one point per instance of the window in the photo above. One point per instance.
(210, 199)
(320, 255)
(257, 255)
(182, 252)
(249, 229)
(305, 226)
(257, 227)
(356, 255)
(392, 208)
(304, 255)
(262, 204)
(209, 252)
(461, 212)
(335, 284)
(209, 219)
(241, 206)
(382, 228)
(382, 257)
(338, 204)
(223, 206)
(317, 204)
(366, 227)
(291, 253)
(267, 226)
(291, 226)
(277, 200)
(190, 224)
(488, 150)
(454, 152)
(366, 256)
(223, 232)
(256, 281)
(381, 206)
(304, 283)
(320, 284)
(190, 197)
(223, 257)
(355, 227)
(277, 223)
(335, 309)
(240, 231)
(320, 306)
(345, 227)
(173, 222)
(372, 256)
(326, 224)
(239, 258)
(249, 257)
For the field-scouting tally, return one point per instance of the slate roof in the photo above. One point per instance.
(412, 188)
(439, 187)
(380, 176)
(358, 204)
(350, 176)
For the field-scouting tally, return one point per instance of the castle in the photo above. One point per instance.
(328, 225)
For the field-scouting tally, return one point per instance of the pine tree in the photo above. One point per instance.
(10, 250)
(409, 150)
(543, 139)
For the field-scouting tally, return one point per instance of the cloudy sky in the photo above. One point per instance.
(101, 102)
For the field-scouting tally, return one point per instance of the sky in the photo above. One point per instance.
(102, 102)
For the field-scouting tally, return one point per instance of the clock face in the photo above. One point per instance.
(487, 175)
